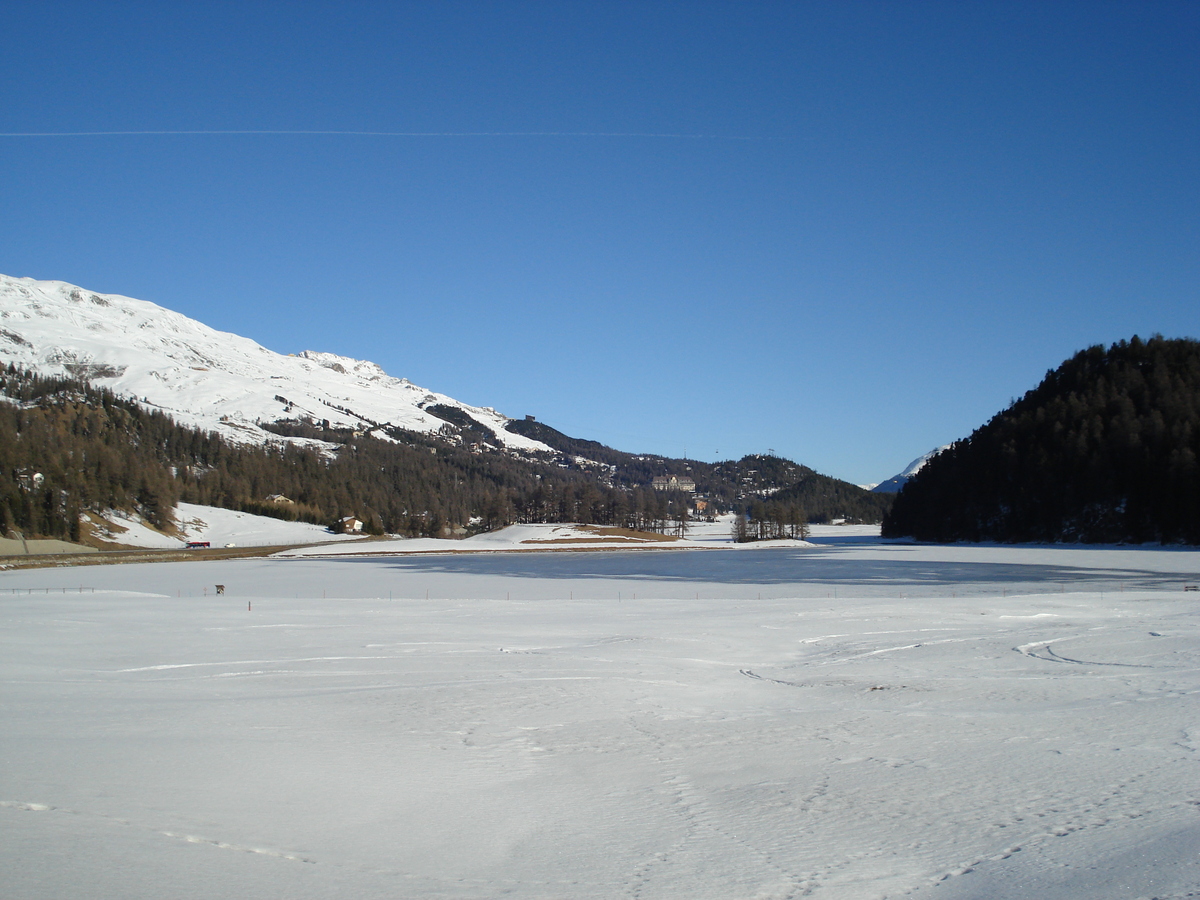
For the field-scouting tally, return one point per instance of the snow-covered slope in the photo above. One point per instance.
(221, 527)
(893, 484)
(207, 378)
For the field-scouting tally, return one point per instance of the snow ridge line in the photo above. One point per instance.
(247, 662)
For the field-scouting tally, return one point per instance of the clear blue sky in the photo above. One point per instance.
(885, 220)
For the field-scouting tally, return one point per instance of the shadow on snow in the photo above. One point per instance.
(825, 566)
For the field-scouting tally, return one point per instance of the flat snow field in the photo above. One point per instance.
(854, 719)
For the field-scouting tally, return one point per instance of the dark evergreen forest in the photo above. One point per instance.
(1103, 450)
(824, 499)
(68, 448)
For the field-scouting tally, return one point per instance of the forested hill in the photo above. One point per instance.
(813, 491)
(732, 484)
(1105, 449)
(68, 448)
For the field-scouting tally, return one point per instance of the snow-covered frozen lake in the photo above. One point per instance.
(852, 720)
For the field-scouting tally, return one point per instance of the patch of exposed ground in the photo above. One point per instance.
(607, 535)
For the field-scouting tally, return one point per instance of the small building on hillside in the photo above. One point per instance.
(280, 500)
(30, 481)
(673, 483)
(351, 525)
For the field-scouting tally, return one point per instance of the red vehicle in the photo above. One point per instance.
(197, 545)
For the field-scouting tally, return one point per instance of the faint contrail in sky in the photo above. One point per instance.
(610, 134)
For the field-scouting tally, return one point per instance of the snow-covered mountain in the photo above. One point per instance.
(893, 484)
(210, 379)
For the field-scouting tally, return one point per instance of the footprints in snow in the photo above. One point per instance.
(830, 683)
(222, 845)
(188, 838)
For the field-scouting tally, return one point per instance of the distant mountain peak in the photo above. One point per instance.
(893, 484)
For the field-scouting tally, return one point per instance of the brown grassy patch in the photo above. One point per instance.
(628, 533)
(109, 556)
(604, 534)
(102, 534)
